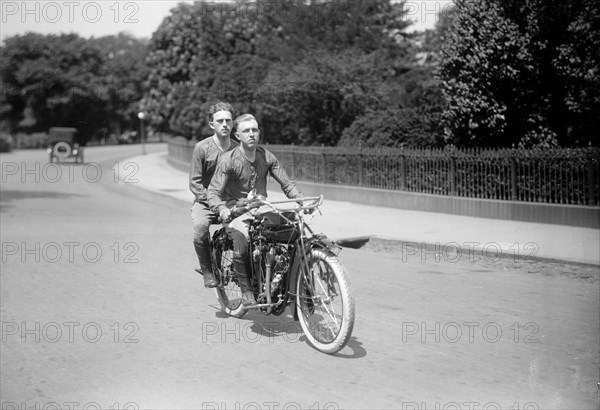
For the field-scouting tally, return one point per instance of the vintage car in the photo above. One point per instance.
(63, 145)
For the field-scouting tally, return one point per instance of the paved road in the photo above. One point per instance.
(100, 307)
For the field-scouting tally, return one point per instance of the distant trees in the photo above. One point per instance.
(522, 72)
(66, 80)
(308, 70)
(492, 73)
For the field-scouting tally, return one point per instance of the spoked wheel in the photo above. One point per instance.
(228, 290)
(325, 302)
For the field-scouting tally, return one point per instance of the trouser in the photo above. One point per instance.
(202, 218)
(238, 229)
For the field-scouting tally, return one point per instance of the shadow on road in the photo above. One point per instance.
(8, 196)
(352, 350)
(15, 195)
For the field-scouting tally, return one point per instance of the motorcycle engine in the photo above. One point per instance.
(281, 264)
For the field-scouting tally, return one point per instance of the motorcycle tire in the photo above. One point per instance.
(228, 290)
(325, 303)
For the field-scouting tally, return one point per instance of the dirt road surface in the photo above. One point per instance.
(101, 308)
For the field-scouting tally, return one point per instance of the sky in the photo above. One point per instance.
(139, 18)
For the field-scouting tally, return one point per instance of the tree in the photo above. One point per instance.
(122, 77)
(307, 70)
(66, 80)
(432, 40)
(517, 72)
(577, 64)
(51, 81)
(485, 65)
(351, 57)
(201, 53)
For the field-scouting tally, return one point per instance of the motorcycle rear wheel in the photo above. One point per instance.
(228, 291)
(325, 303)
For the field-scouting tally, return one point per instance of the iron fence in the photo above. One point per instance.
(558, 176)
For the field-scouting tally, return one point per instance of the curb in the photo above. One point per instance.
(439, 251)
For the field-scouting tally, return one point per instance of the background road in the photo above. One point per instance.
(100, 306)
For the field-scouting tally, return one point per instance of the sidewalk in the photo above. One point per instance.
(343, 220)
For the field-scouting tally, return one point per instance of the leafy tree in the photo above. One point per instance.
(315, 100)
(306, 69)
(51, 81)
(485, 65)
(392, 127)
(432, 40)
(66, 80)
(350, 57)
(517, 72)
(200, 53)
(122, 77)
(577, 65)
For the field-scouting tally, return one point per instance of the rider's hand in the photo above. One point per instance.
(225, 214)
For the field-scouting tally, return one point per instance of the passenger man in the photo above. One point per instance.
(204, 162)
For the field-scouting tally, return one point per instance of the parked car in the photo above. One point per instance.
(63, 145)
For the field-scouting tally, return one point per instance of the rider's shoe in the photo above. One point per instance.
(209, 279)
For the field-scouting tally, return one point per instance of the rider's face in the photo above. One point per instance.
(248, 133)
(222, 123)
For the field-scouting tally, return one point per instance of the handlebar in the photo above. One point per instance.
(245, 205)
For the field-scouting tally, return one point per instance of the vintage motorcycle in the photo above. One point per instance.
(290, 265)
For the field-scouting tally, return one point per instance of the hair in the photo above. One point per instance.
(220, 106)
(242, 118)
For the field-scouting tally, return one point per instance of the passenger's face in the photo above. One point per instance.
(248, 134)
(222, 123)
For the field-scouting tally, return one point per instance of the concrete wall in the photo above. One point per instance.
(585, 216)
(572, 215)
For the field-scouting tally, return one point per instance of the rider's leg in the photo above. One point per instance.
(238, 229)
(202, 217)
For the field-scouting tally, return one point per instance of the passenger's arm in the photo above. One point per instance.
(217, 188)
(195, 183)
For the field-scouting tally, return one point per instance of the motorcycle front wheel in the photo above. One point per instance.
(324, 301)
(228, 291)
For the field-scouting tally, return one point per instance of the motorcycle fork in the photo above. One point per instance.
(299, 267)
(259, 255)
(219, 242)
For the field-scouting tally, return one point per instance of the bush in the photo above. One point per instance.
(389, 128)
(6, 142)
(35, 140)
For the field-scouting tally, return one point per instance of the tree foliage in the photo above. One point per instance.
(522, 72)
(66, 80)
(307, 70)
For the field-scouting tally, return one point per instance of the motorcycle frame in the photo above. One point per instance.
(303, 245)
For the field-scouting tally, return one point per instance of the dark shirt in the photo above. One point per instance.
(236, 176)
(204, 162)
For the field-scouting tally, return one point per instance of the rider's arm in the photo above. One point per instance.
(195, 184)
(217, 186)
(278, 172)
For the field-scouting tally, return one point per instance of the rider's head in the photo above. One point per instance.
(242, 118)
(220, 106)
(220, 116)
(246, 129)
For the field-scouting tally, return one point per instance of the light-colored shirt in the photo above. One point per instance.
(235, 176)
(204, 162)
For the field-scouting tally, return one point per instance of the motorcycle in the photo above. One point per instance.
(290, 265)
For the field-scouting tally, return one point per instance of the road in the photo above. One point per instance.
(101, 308)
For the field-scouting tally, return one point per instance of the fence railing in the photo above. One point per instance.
(559, 176)
(556, 176)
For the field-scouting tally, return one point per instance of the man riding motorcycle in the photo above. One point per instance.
(241, 170)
